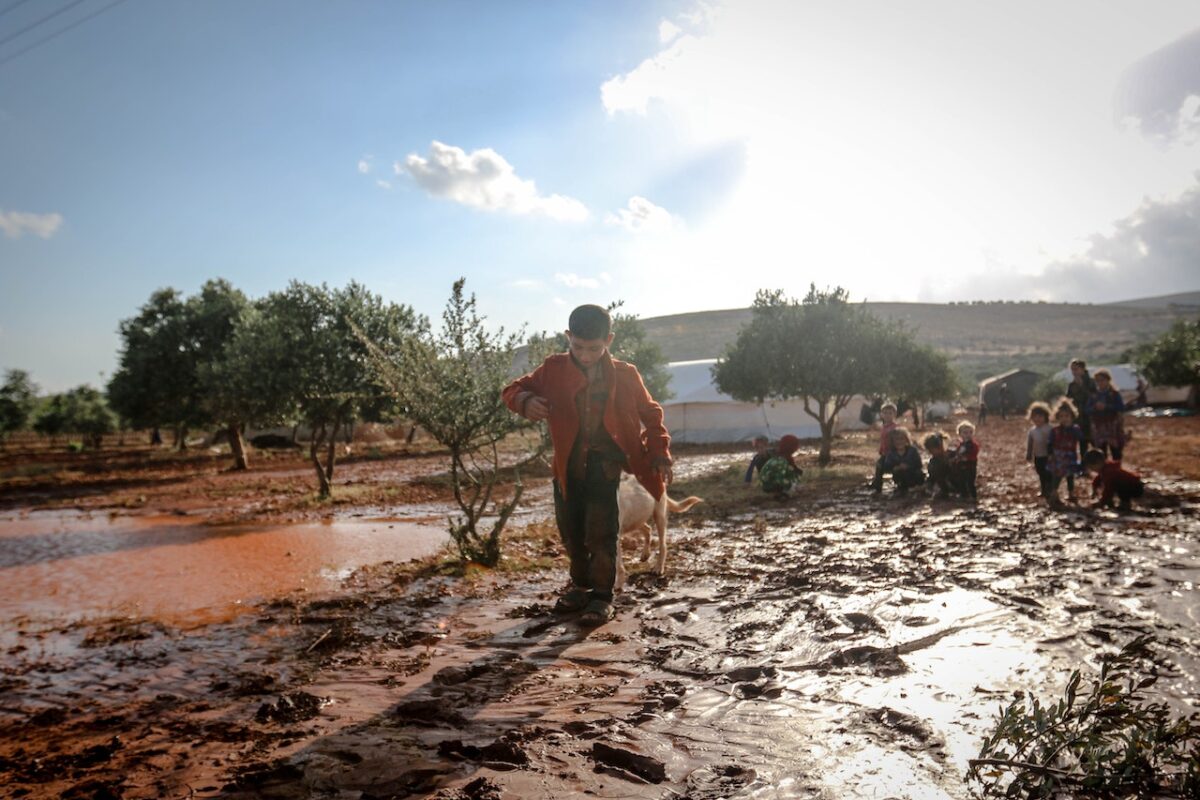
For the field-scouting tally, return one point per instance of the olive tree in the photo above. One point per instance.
(449, 383)
(822, 350)
(298, 358)
(1173, 359)
(167, 349)
(18, 399)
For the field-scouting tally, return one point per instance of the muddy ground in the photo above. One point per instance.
(833, 645)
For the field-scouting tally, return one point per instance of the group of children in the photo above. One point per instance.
(1060, 452)
(952, 471)
(1091, 414)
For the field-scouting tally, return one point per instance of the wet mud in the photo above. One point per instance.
(841, 646)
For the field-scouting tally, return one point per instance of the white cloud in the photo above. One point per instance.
(382, 184)
(364, 165)
(642, 216)
(484, 179)
(667, 31)
(574, 281)
(16, 223)
(885, 153)
(527, 283)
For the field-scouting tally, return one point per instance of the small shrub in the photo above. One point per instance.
(1109, 743)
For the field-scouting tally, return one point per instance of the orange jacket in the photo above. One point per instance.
(631, 417)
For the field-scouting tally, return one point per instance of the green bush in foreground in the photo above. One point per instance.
(1109, 743)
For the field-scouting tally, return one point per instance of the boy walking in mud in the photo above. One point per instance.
(602, 422)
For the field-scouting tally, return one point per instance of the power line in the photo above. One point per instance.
(13, 6)
(60, 31)
(33, 25)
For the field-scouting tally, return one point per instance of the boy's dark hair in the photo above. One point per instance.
(590, 322)
(1094, 458)
(1102, 373)
(934, 441)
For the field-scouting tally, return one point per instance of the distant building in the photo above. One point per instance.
(1019, 383)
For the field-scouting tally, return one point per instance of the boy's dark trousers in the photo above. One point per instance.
(939, 473)
(589, 522)
(1044, 476)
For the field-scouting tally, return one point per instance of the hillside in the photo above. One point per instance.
(1162, 301)
(982, 338)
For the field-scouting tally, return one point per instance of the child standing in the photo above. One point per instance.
(602, 421)
(1066, 445)
(964, 460)
(1037, 444)
(1078, 391)
(938, 466)
(1105, 410)
(903, 462)
(1111, 479)
(887, 418)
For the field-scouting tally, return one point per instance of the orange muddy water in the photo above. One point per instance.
(60, 566)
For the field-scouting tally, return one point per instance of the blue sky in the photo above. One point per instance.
(675, 155)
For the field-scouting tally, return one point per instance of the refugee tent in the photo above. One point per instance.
(1020, 384)
(699, 413)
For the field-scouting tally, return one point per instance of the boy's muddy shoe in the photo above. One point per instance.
(597, 612)
(574, 599)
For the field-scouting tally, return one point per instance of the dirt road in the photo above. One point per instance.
(833, 646)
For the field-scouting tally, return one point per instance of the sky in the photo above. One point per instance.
(677, 156)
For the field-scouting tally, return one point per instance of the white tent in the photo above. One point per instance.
(699, 413)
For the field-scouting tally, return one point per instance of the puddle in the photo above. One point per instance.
(60, 567)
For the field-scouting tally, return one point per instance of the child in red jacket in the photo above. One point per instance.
(602, 422)
(1112, 479)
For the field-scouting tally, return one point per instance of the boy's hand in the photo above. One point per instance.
(537, 408)
(662, 465)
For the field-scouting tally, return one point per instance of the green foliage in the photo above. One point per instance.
(154, 382)
(18, 399)
(822, 350)
(1109, 742)
(918, 373)
(1048, 389)
(630, 343)
(50, 417)
(168, 349)
(298, 357)
(82, 410)
(449, 383)
(1173, 359)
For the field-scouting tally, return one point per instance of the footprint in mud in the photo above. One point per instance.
(291, 707)
(478, 789)
(718, 782)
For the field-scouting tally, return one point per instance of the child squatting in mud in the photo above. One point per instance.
(596, 407)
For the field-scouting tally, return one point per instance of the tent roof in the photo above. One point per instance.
(1125, 376)
(692, 382)
(1006, 375)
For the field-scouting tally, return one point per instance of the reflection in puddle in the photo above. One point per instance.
(58, 567)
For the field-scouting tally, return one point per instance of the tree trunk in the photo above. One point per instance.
(824, 457)
(331, 453)
(237, 446)
(155, 437)
(181, 437)
(314, 449)
(412, 434)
